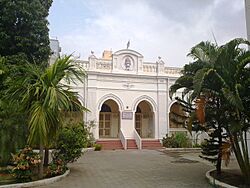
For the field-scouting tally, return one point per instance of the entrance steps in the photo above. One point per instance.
(110, 144)
(131, 144)
(151, 144)
(116, 144)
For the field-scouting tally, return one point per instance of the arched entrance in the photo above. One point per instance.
(144, 120)
(109, 120)
(74, 116)
(177, 118)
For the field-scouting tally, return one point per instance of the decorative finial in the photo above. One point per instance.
(92, 52)
(159, 57)
(128, 44)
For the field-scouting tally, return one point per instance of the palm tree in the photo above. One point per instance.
(226, 77)
(232, 84)
(205, 55)
(44, 94)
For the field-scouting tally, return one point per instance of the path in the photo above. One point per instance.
(135, 169)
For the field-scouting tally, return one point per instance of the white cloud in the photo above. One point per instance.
(163, 29)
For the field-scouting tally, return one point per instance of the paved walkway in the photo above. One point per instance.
(135, 169)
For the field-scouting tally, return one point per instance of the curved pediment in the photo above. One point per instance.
(128, 52)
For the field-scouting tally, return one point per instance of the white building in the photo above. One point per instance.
(128, 98)
(55, 50)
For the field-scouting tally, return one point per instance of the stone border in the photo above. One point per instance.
(38, 182)
(182, 149)
(214, 181)
(84, 150)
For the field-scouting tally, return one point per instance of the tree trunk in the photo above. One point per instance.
(40, 174)
(46, 156)
(244, 165)
(218, 164)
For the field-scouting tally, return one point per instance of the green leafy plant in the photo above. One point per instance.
(70, 142)
(178, 140)
(56, 167)
(98, 147)
(26, 164)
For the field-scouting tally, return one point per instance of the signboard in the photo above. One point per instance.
(127, 115)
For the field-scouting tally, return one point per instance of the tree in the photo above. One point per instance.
(24, 30)
(12, 122)
(23, 38)
(225, 76)
(44, 94)
(205, 55)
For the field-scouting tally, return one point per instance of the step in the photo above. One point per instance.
(110, 144)
(131, 144)
(151, 144)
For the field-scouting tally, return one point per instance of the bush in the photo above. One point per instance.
(56, 167)
(98, 147)
(71, 139)
(178, 140)
(70, 142)
(26, 164)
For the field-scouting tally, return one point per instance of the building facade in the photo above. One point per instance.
(128, 98)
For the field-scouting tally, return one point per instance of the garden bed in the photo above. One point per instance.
(228, 178)
(4, 183)
(6, 178)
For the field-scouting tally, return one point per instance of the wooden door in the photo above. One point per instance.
(138, 123)
(105, 124)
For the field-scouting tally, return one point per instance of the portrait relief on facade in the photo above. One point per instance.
(128, 63)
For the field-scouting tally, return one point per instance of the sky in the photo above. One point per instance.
(165, 28)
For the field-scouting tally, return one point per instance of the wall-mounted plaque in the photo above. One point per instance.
(127, 115)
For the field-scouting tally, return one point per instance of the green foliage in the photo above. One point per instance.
(24, 30)
(56, 167)
(70, 142)
(98, 147)
(26, 164)
(223, 80)
(178, 140)
(44, 94)
(13, 129)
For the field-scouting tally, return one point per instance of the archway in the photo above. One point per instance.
(109, 120)
(73, 116)
(144, 120)
(177, 118)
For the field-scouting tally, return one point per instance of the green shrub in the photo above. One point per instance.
(56, 167)
(197, 145)
(178, 140)
(98, 147)
(182, 140)
(169, 142)
(71, 139)
(90, 140)
(70, 142)
(26, 164)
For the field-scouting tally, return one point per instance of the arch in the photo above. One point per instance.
(81, 99)
(112, 97)
(74, 114)
(177, 117)
(145, 98)
(105, 108)
(109, 119)
(171, 103)
(144, 120)
(138, 109)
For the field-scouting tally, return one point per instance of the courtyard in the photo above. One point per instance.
(137, 168)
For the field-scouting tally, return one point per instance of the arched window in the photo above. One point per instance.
(105, 108)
